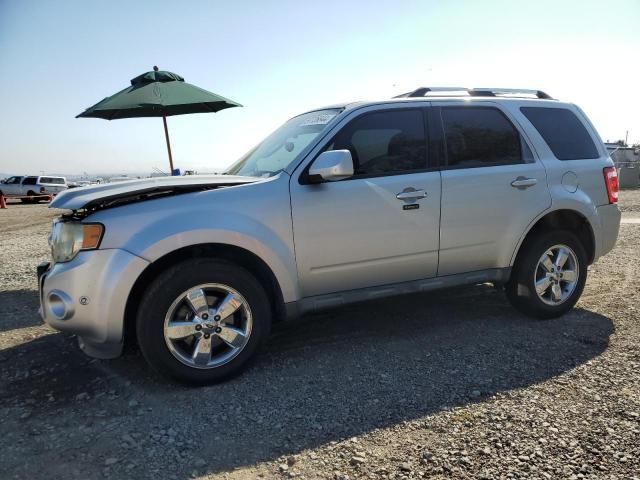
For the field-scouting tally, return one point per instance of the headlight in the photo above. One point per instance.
(68, 238)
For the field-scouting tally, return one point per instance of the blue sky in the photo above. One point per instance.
(280, 58)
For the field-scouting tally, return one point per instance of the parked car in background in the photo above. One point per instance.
(339, 205)
(39, 186)
(12, 186)
(34, 188)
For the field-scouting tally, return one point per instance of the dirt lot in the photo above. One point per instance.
(454, 384)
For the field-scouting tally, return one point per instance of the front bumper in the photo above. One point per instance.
(87, 296)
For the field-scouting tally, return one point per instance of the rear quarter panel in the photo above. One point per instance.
(588, 172)
(576, 185)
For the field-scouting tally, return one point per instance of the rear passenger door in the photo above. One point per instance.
(492, 186)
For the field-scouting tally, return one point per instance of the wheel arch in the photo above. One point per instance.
(234, 254)
(562, 219)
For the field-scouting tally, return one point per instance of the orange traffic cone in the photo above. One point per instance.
(3, 204)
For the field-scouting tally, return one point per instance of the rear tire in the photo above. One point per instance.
(549, 275)
(220, 308)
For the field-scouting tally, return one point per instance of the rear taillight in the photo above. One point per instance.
(41, 189)
(611, 181)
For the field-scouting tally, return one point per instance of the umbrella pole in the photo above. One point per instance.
(166, 136)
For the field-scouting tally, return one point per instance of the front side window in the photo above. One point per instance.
(563, 131)
(282, 147)
(480, 137)
(384, 142)
(14, 180)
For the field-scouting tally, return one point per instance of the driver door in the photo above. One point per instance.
(366, 231)
(12, 187)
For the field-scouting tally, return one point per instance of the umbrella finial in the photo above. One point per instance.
(155, 68)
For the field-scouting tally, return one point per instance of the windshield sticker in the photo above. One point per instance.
(320, 119)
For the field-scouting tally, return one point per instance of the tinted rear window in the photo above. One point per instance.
(479, 137)
(30, 181)
(563, 131)
(52, 180)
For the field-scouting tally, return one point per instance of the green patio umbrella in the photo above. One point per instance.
(158, 94)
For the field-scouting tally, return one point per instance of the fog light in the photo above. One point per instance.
(59, 305)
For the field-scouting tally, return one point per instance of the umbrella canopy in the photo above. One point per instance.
(158, 94)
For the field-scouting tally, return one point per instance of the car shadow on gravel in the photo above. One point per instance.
(18, 309)
(325, 378)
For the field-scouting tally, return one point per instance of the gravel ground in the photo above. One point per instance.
(453, 384)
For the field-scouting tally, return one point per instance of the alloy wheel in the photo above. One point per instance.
(208, 325)
(556, 275)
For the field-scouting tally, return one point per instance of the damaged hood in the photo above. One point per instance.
(113, 194)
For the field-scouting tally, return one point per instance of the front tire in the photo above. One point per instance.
(202, 320)
(549, 275)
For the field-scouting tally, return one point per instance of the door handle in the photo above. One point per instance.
(523, 182)
(411, 194)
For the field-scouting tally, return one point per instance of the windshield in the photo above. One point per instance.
(281, 147)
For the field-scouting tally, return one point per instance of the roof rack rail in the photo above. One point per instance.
(478, 92)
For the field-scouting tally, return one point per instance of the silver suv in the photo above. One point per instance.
(432, 189)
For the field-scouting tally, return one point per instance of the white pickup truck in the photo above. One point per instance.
(32, 186)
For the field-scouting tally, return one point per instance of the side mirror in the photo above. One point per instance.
(331, 166)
